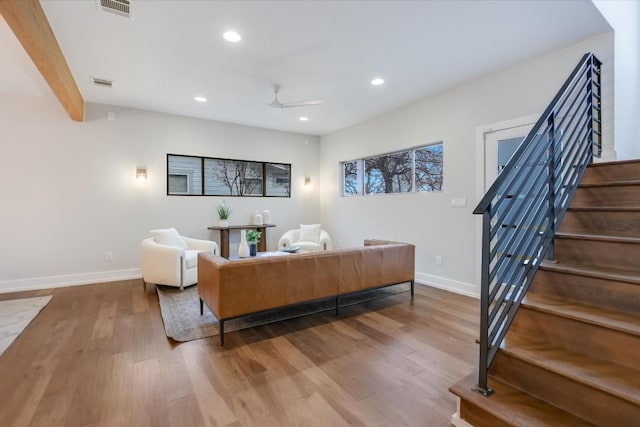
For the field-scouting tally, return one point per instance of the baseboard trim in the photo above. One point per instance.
(458, 287)
(48, 282)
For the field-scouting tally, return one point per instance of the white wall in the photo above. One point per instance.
(427, 220)
(69, 192)
(624, 17)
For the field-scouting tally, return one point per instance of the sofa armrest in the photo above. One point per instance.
(325, 241)
(160, 264)
(289, 238)
(201, 245)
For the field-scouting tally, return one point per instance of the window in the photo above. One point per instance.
(428, 168)
(352, 185)
(178, 183)
(184, 175)
(415, 170)
(226, 177)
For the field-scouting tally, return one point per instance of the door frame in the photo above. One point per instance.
(481, 173)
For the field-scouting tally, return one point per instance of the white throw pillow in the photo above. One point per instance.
(168, 236)
(310, 233)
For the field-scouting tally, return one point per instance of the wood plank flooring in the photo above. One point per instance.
(97, 355)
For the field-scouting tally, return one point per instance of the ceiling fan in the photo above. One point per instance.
(282, 105)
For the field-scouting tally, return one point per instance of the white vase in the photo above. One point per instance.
(223, 223)
(243, 250)
(266, 216)
(257, 219)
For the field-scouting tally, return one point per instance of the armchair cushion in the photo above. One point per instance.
(169, 236)
(310, 233)
(292, 238)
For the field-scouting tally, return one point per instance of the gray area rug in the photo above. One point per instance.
(182, 320)
(15, 316)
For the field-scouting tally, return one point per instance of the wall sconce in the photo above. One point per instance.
(141, 173)
(307, 183)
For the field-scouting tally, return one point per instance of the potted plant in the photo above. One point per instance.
(253, 237)
(224, 212)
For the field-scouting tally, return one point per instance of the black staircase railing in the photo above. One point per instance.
(526, 203)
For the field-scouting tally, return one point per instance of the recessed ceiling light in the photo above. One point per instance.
(303, 119)
(200, 99)
(232, 36)
(377, 81)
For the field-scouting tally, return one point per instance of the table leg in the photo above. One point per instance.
(262, 243)
(224, 243)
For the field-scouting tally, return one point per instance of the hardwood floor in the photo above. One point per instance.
(97, 355)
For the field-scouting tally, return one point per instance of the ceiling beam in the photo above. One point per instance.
(30, 25)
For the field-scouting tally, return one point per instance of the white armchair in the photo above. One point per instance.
(292, 238)
(171, 259)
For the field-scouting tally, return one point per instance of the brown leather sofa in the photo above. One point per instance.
(234, 288)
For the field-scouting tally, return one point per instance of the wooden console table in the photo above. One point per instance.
(224, 236)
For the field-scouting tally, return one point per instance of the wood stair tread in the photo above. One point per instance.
(616, 320)
(617, 380)
(610, 183)
(604, 208)
(600, 237)
(601, 273)
(514, 406)
(612, 163)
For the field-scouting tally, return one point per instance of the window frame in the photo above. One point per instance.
(360, 172)
(285, 167)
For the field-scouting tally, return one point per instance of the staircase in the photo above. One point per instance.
(572, 354)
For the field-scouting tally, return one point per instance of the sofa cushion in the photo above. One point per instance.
(168, 236)
(310, 233)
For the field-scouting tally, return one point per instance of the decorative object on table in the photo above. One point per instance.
(266, 216)
(309, 237)
(257, 219)
(290, 249)
(253, 237)
(224, 212)
(243, 250)
(225, 232)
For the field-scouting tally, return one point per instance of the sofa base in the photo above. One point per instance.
(336, 297)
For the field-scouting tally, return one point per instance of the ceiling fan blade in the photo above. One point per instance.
(310, 103)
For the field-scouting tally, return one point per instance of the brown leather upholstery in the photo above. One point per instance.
(239, 287)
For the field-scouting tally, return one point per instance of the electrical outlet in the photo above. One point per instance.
(108, 256)
(459, 202)
(439, 260)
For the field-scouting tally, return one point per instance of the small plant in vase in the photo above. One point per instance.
(224, 212)
(253, 237)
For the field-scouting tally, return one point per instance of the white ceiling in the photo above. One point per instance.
(171, 51)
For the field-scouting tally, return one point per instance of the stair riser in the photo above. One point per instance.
(478, 417)
(605, 254)
(608, 223)
(594, 291)
(617, 195)
(613, 172)
(592, 340)
(577, 398)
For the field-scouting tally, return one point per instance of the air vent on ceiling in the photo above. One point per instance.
(118, 7)
(102, 82)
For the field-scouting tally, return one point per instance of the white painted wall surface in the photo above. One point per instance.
(624, 17)
(427, 219)
(69, 193)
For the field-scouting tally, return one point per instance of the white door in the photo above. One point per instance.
(499, 146)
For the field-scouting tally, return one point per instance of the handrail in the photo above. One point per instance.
(524, 206)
